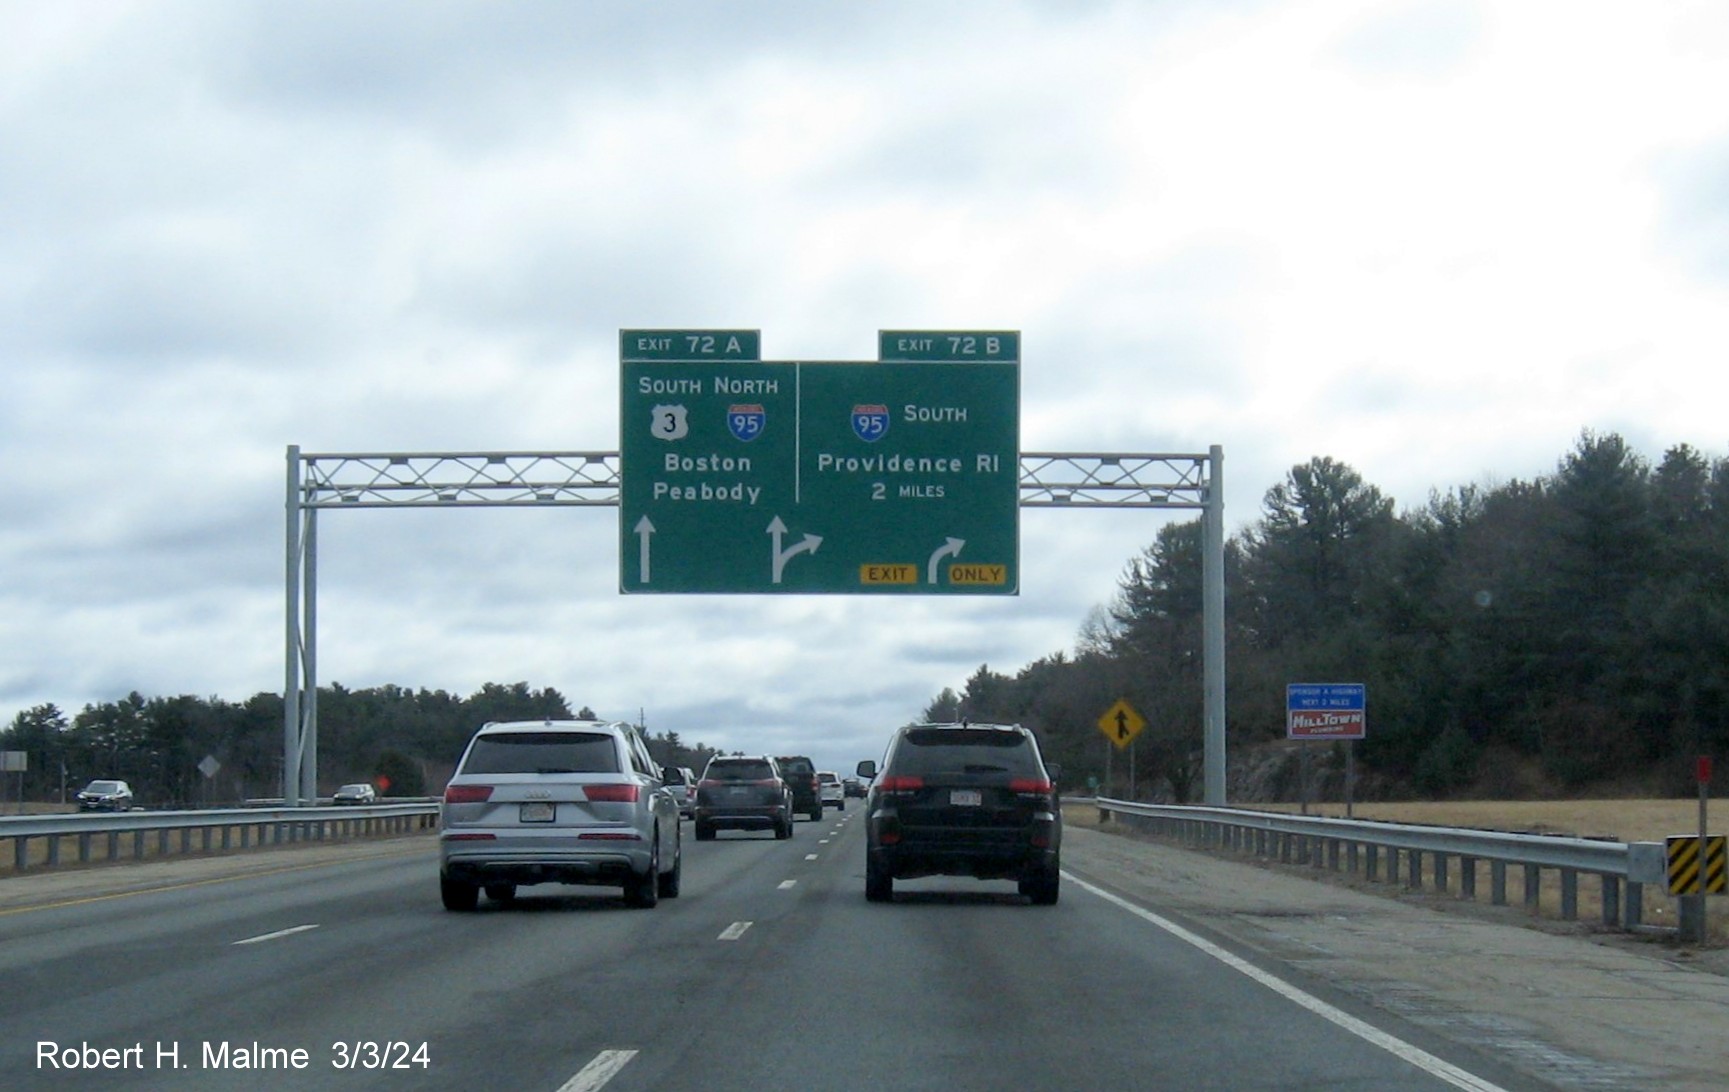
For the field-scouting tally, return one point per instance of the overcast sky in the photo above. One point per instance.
(1433, 239)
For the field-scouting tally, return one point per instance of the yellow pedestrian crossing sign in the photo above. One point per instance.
(1121, 724)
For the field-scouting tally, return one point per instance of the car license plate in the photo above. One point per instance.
(537, 813)
(965, 798)
(738, 790)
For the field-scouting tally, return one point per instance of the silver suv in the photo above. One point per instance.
(557, 801)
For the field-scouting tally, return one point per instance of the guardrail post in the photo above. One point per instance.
(162, 842)
(1372, 861)
(84, 849)
(1611, 897)
(1441, 872)
(113, 845)
(1633, 912)
(1533, 886)
(1468, 878)
(1569, 894)
(20, 853)
(54, 851)
(138, 845)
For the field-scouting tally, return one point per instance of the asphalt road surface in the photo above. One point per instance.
(335, 967)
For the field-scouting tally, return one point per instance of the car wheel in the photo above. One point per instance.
(457, 895)
(643, 891)
(817, 814)
(704, 832)
(501, 892)
(1043, 890)
(879, 885)
(782, 830)
(841, 805)
(669, 881)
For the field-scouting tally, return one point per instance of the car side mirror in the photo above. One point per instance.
(867, 769)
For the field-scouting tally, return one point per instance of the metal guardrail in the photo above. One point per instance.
(1623, 868)
(219, 830)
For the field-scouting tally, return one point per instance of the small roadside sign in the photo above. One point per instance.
(1691, 875)
(1325, 711)
(1121, 724)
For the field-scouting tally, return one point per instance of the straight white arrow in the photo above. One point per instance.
(644, 531)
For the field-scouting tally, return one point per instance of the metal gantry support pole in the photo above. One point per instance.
(1213, 629)
(591, 479)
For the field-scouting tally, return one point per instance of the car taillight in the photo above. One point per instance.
(901, 784)
(611, 794)
(1030, 786)
(467, 794)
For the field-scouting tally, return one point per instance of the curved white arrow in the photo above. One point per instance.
(951, 548)
(777, 530)
(644, 531)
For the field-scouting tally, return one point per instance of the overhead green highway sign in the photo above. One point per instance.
(888, 477)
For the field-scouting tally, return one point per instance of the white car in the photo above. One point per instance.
(557, 801)
(829, 788)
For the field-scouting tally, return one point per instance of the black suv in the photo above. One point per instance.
(963, 800)
(800, 773)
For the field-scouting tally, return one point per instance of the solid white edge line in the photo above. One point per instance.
(595, 1074)
(275, 935)
(1392, 1044)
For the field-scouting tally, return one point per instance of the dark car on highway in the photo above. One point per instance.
(800, 774)
(105, 796)
(743, 792)
(963, 800)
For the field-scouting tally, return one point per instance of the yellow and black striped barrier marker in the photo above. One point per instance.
(1685, 871)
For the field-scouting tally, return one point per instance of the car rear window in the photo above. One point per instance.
(797, 765)
(926, 751)
(542, 752)
(738, 771)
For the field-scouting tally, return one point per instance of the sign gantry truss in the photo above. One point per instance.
(591, 478)
(519, 479)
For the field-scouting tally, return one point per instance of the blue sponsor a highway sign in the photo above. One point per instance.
(1325, 711)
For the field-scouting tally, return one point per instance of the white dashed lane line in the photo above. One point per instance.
(595, 1074)
(734, 931)
(280, 933)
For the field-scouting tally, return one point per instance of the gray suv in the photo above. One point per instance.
(963, 800)
(557, 801)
